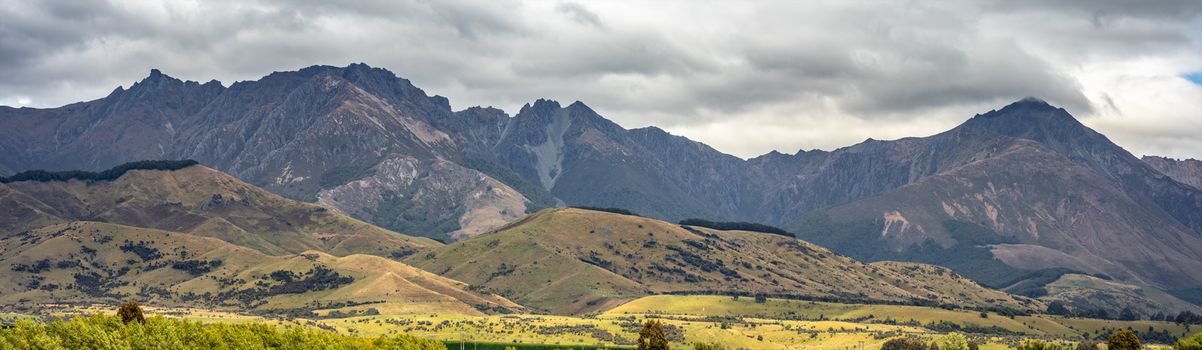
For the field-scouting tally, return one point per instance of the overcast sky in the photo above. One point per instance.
(744, 77)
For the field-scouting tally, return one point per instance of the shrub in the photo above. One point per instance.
(904, 344)
(1036, 344)
(108, 332)
(130, 312)
(652, 336)
(1057, 308)
(1123, 340)
(1191, 343)
(709, 346)
(954, 341)
(1088, 345)
(196, 267)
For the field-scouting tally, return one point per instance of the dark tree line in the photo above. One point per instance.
(742, 226)
(196, 267)
(107, 175)
(609, 210)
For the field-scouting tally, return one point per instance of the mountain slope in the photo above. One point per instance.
(576, 261)
(199, 201)
(1071, 217)
(1187, 171)
(1041, 191)
(584, 159)
(76, 262)
(292, 133)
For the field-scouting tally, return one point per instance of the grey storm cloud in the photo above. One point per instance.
(714, 71)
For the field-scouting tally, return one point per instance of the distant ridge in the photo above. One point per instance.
(107, 175)
(200, 201)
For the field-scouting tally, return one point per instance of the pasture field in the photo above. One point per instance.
(1035, 325)
(739, 324)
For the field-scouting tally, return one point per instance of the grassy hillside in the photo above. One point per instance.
(1082, 293)
(89, 262)
(199, 201)
(569, 261)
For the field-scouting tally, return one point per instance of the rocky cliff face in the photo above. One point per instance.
(1188, 171)
(412, 195)
(584, 159)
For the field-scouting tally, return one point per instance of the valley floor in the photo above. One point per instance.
(737, 323)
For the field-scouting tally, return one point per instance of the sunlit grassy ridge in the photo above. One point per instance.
(574, 261)
(85, 262)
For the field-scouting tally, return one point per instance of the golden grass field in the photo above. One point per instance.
(1037, 325)
(742, 323)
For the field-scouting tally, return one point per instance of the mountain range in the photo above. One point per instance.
(1006, 198)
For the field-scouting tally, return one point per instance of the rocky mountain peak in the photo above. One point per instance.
(1030, 118)
(1029, 109)
(156, 79)
(163, 92)
(540, 105)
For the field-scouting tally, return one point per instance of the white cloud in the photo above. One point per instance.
(744, 77)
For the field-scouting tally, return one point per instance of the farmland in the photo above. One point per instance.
(737, 323)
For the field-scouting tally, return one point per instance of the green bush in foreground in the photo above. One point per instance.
(130, 312)
(1123, 340)
(1037, 344)
(1191, 343)
(953, 341)
(904, 344)
(109, 332)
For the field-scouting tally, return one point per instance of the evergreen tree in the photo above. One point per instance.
(652, 337)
